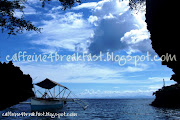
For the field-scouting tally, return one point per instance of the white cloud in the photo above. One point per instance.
(34, 1)
(155, 87)
(133, 69)
(69, 31)
(28, 10)
(108, 16)
(78, 72)
(18, 14)
(70, 72)
(105, 7)
(89, 5)
(57, 8)
(119, 29)
(136, 36)
(49, 50)
(159, 79)
(116, 93)
(92, 19)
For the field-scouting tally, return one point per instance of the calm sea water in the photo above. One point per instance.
(105, 109)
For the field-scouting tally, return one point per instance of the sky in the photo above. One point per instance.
(105, 29)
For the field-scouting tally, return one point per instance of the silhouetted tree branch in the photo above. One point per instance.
(137, 5)
(13, 24)
(64, 3)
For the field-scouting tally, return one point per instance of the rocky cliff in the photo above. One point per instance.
(14, 85)
(163, 23)
(162, 18)
(168, 97)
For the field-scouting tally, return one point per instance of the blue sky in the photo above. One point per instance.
(91, 27)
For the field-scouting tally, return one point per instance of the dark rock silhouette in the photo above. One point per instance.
(162, 22)
(168, 96)
(15, 86)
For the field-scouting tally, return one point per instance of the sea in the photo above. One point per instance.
(98, 109)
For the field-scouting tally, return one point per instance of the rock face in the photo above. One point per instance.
(168, 96)
(163, 23)
(14, 85)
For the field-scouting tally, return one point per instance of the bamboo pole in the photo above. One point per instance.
(63, 93)
(59, 93)
(54, 92)
(68, 95)
(50, 93)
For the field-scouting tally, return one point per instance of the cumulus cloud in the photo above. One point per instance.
(109, 32)
(105, 7)
(116, 28)
(119, 29)
(135, 36)
(92, 19)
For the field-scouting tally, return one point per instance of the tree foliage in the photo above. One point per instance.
(9, 22)
(13, 24)
(64, 3)
(137, 5)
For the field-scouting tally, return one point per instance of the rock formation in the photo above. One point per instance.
(168, 97)
(14, 85)
(163, 23)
